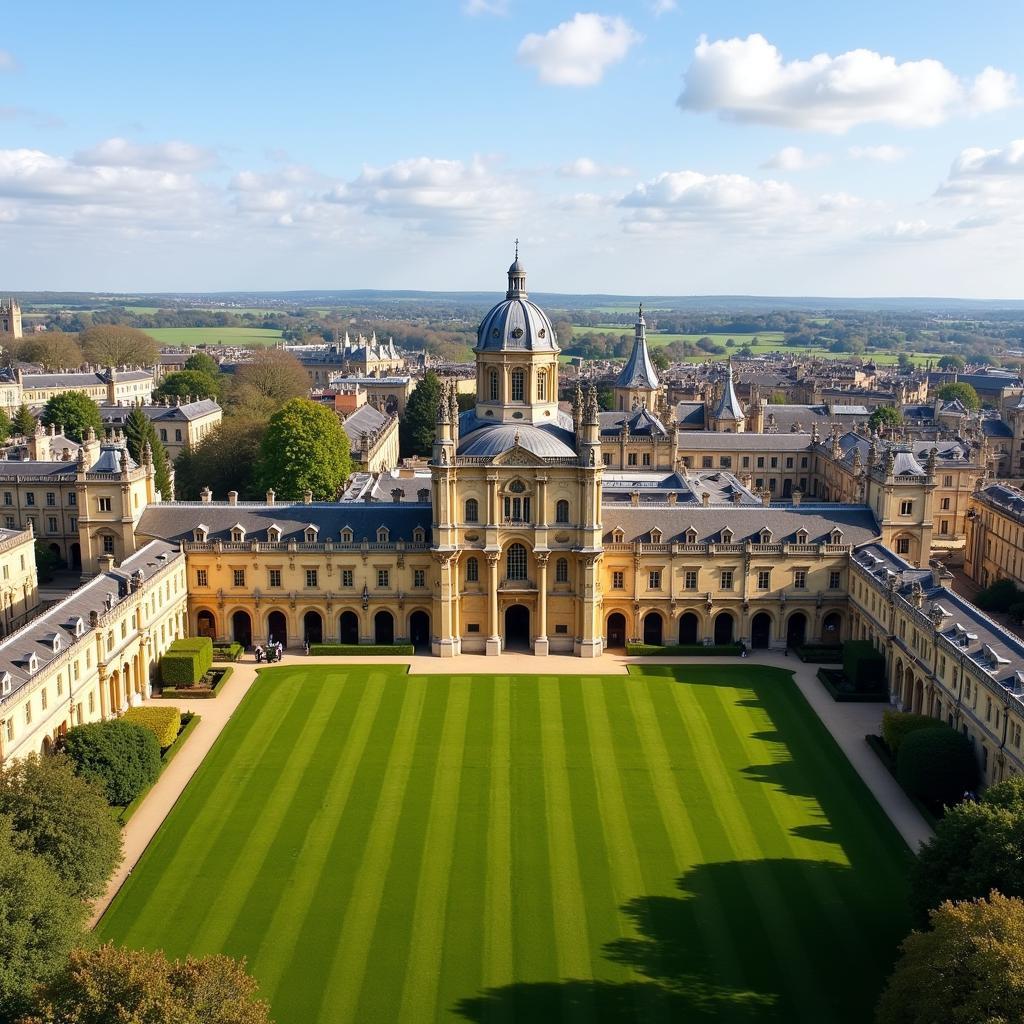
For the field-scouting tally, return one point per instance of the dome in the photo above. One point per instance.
(548, 442)
(516, 324)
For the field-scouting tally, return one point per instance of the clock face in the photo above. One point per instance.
(542, 333)
(517, 332)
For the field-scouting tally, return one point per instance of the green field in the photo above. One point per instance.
(242, 336)
(683, 844)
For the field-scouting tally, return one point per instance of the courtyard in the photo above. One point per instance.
(683, 843)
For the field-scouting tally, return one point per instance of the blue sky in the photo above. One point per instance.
(642, 147)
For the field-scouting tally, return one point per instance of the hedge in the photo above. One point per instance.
(684, 650)
(898, 725)
(186, 661)
(227, 652)
(937, 765)
(164, 722)
(863, 666)
(355, 650)
(198, 692)
(838, 686)
(189, 723)
(122, 756)
(829, 654)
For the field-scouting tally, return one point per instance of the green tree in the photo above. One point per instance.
(188, 384)
(660, 360)
(203, 363)
(118, 345)
(605, 398)
(47, 562)
(52, 350)
(227, 459)
(121, 756)
(416, 428)
(904, 361)
(24, 423)
(40, 923)
(962, 392)
(5, 426)
(138, 430)
(305, 448)
(110, 984)
(967, 969)
(885, 417)
(937, 765)
(62, 818)
(275, 374)
(74, 412)
(952, 362)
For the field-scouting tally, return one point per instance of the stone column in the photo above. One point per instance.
(448, 643)
(540, 644)
(590, 645)
(494, 640)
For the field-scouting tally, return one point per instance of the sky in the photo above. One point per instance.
(677, 147)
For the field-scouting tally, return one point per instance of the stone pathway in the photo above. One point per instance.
(848, 724)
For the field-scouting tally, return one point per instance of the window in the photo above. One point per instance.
(654, 579)
(542, 386)
(606, 459)
(347, 578)
(42, 698)
(631, 459)
(561, 628)
(518, 384)
(72, 498)
(945, 504)
(202, 578)
(472, 510)
(516, 562)
(108, 544)
(30, 498)
(947, 481)
(707, 462)
(28, 712)
(419, 577)
(646, 458)
(102, 504)
(835, 579)
(472, 627)
(760, 462)
(493, 385)
(775, 462)
(383, 579)
(789, 463)
(311, 578)
(163, 434)
(906, 508)
(764, 579)
(726, 579)
(562, 511)
(800, 579)
(238, 576)
(346, 536)
(725, 462)
(517, 509)
(690, 579)
(8, 498)
(944, 527)
(472, 570)
(92, 701)
(383, 535)
(618, 580)
(51, 498)
(51, 524)
(902, 545)
(562, 570)
(177, 435)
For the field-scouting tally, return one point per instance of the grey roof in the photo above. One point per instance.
(516, 323)
(688, 487)
(729, 407)
(11, 469)
(715, 440)
(82, 380)
(547, 441)
(947, 452)
(415, 486)
(996, 428)
(857, 522)
(112, 459)
(794, 418)
(186, 411)
(690, 414)
(363, 421)
(639, 370)
(642, 423)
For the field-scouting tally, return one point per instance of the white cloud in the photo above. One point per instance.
(1009, 160)
(660, 7)
(7, 61)
(474, 7)
(748, 80)
(118, 152)
(578, 52)
(908, 231)
(793, 158)
(585, 167)
(884, 154)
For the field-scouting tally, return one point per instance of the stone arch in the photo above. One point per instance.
(348, 627)
(615, 630)
(277, 626)
(725, 624)
(689, 628)
(796, 629)
(383, 627)
(206, 623)
(761, 631)
(241, 627)
(313, 627)
(419, 628)
(654, 628)
(832, 628)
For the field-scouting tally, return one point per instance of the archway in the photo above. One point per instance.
(126, 682)
(918, 696)
(689, 627)
(761, 630)
(55, 548)
(277, 628)
(76, 556)
(616, 630)
(206, 624)
(383, 628)
(419, 629)
(114, 685)
(832, 628)
(348, 628)
(517, 627)
(241, 628)
(796, 630)
(313, 628)
(46, 747)
(723, 628)
(652, 629)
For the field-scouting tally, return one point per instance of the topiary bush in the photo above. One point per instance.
(936, 765)
(863, 665)
(124, 757)
(186, 661)
(897, 725)
(999, 596)
(163, 721)
(227, 652)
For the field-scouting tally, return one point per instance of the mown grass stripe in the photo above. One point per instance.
(346, 972)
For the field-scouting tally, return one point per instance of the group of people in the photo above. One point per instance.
(271, 653)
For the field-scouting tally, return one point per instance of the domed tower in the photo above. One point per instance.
(516, 359)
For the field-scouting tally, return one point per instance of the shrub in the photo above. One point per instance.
(186, 661)
(683, 650)
(999, 596)
(123, 757)
(164, 722)
(355, 650)
(227, 652)
(936, 765)
(897, 725)
(863, 665)
(218, 676)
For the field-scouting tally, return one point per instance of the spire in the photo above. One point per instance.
(639, 371)
(729, 407)
(516, 278)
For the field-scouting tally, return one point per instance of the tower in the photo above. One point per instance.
(10, 318)
(638, 382)
(727, 414)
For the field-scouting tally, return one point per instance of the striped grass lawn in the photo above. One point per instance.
(683, 844)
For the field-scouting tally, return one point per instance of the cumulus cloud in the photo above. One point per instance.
(580, 51)
(908, 231)
(116, 152)
(884, 154)
(1009, 160)
(793, 158)
(748, 80)
(584, 167)
(475, 7)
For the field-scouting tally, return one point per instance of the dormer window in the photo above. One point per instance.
(33, 663)
(617, 536)
(237, 533)
(274, 533)
(836, 537)
(655, 536)
(691, 536)
(5, 684)
(766, 536)
(418, 535)
(801, 536)
(200, 533)
(54, 643)
(310, 533)
(346, 535)
(423, 495)
(383, 535)
(726, 536)
(77, 626)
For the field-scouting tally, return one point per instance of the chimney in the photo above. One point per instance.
(737, 497)
(232, 497)
(634, 497)
(94, 618)
(270, 496)
(797, 497)
(206, 495)
(766, 498)
(673, 497)
(307, 497)
(105, 562)
(705, 499)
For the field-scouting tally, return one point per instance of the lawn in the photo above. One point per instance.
(686, 843)
(240, 336)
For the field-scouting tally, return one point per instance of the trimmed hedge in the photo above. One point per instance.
(186, 661)
(838, 686)
(121, 756)
(355, 650)
(227, 652)
(898, 725)
(816, 654)
(684, 650)
(164, 722)
(189, 723)
(937, 765)
(198, 692)
(864, 666)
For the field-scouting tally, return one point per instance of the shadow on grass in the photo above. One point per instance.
(709, 954)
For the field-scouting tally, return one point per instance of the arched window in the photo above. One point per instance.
(493, 385)
(562, 511)
(518, 385)
(383, 535)
(472, 571)
(472, 510)
(516, 562)
(562, 570)
(346, 536)
(542, 386)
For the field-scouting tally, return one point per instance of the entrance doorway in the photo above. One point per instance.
(419, 630)
(616, 630)
(688, 628)
(796, 629)
(313, 628)
(517, 628)
(723, 628)
(277, 628)
(206, 625)
(241, 628)
(761, 630)
(383, 628)
(652, 629)
(348, 628)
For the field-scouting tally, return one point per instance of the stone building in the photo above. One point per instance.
(179, 424)
(107, 387)
(10, 318)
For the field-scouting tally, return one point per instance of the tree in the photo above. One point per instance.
(138, 430)
(24, 423)
(52, 350)
(122, 757)
(40, 923)
(203, 363)
(47, 562)
(118, 345)
(188, 384)
(305, 448)
(416, 428)
(952, 362)
(905, 362)
(62, 818)
(885, 417)
(967, 969)
(961, 392)
(5, 425)
(74, 412)
(660, 360)
(275, 374)
(937, 765)
(227, 459)
(139, 987)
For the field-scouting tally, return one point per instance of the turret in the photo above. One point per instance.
(590, 432)
(444, 436)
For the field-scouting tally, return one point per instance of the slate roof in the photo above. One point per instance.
(715, 440)
(689, 487)
(363, 421)
(996, 428)
(83, 379)
(639, 371)
(381, 486)
(184, 412)
(690, 414)
(642, 423)
(947, 451)
(729, 407)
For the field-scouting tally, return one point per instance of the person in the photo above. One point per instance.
(305, 647)
(259, 654)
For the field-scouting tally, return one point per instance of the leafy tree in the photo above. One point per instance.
(305, 448)
(40, 923)
(952, 362)
(188, 384)
(118, 345)
(24, 423)
(75, 412)
(138, 430)
(962, 391)
(274, 374)
(416, 428)
(5, 425)
(967, 969)
(203, 363)
(937, 765)
(884, 417)
(62, 818)
(122, 757)
(47, 562)
(998, 596)
(138, 987)
(904, 361)
(227, 459)
(605, 397)
(52, 350)
(660, 360)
